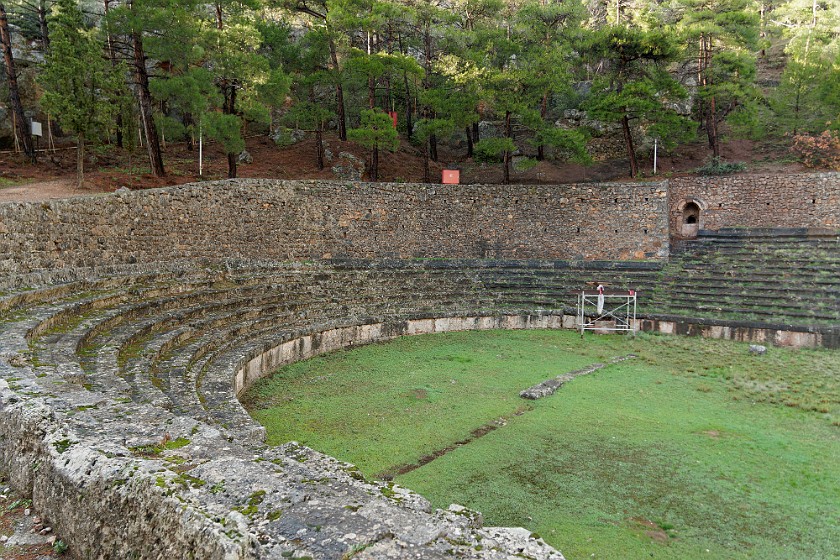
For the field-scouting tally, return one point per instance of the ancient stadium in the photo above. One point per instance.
(131, 322)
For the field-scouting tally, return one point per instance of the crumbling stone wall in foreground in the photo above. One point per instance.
(118, 413)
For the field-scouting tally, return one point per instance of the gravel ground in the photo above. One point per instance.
(24, 534)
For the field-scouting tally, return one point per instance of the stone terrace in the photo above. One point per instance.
(787, 280)
(119, 392)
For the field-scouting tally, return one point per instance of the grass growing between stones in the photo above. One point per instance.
(694, 450)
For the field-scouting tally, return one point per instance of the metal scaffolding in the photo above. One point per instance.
(606, 311)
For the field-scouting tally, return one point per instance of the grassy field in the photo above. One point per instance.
(695, 449)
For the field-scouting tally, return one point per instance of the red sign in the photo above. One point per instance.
(451, 177)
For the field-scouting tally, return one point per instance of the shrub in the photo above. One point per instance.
(818, 151)
(717, 166)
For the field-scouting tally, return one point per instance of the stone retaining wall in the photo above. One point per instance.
(303, 220)
(759, 201)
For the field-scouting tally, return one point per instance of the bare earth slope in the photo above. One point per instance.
(54, 175)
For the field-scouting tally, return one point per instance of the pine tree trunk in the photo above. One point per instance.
(22, 130)
(371, 81)
(427, 85)
(386, 81)
(112, 56)
(42, 24)
(408, 113)
(339, 94)
(230, 109)
(231, 157)
(543, 114)
(80, 161)
(470, 144)
(628, 144)
(188, 121)
(427, 176)
(476, 133)
(342, 116)
(319, 134)
(711, 121)
(374, 164)
(710, 109)
(508, 134)
(711, 129)
(319, 147)
(141, 82)
(701, 82)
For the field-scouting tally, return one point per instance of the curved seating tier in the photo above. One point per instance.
(771, 276)
(121, 386)
(118, 392)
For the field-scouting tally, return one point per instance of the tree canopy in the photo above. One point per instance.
(497, 78)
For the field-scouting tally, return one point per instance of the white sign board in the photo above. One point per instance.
(36, 129)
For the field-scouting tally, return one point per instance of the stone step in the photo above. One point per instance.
(766, 314)
(769, 282)
(764, 296)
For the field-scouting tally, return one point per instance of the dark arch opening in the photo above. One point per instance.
(690, 219)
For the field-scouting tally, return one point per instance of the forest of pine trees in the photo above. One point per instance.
(129, 71)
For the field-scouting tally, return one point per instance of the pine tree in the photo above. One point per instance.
(425, 129)
(375, 131)
(721, 36)
(238, 68)
(319, 11)
(464, 54)
(76, 80)
(30, 17)
(636, 85)
(803, 101)
(21, 127)
(549, 31)
(130, 25)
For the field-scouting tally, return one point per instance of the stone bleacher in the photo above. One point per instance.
(784, 277)
(118, 386)
(120, 415)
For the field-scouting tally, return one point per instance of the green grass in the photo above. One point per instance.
(694, 450)
(359, 405)
(6, 182)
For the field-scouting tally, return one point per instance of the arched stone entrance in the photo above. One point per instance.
(690, 214)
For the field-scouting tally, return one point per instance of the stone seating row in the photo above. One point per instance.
(784, 278)
(122, 384)
(118, 369)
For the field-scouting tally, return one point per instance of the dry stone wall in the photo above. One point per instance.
(303, 220)
(759, 201)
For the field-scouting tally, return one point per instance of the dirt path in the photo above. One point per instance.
(43, 190)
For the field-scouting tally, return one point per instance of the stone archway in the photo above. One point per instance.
(690, 218)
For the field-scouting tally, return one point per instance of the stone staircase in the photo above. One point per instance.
(785, 277)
